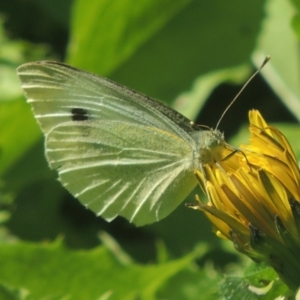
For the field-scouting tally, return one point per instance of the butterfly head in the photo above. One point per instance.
(210, 146)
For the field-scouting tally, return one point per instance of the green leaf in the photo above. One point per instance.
(19, 131)
(278, 39)
(158, 47)
(190, 103)
(54, 271)
(8, 293)
(296, 18)
(115, 29)
(9, 84)
(192, 284)
(259, 282)
(296, 25)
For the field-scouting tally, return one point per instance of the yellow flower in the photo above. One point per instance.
(254, 199)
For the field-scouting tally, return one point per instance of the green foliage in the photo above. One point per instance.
(187, 53)
(161, 54)
(52, 270)
(282, 74)
(130, 29)
(259, 282)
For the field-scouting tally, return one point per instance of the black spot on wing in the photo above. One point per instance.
(79, 114)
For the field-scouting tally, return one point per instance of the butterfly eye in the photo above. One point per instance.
(79, 114)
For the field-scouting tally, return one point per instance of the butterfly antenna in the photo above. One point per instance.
(268, 57)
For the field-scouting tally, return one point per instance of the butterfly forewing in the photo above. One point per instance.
(54, 89)
(117, 151)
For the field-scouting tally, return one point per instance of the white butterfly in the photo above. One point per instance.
(116, 150)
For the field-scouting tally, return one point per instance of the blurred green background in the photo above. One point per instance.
(192, 54)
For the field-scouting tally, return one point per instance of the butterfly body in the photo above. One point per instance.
(116, 150)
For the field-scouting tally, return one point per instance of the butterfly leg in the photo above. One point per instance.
(234, 151)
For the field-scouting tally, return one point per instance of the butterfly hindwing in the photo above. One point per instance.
(109, 171)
